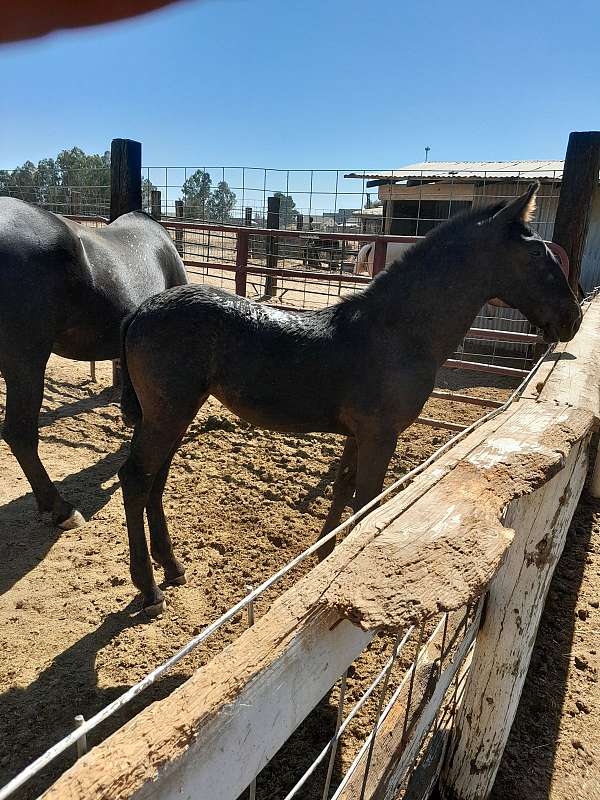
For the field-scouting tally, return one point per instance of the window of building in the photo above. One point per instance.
(418, 217)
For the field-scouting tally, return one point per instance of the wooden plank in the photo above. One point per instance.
(435, 546)
(505, 641)
(578, 187)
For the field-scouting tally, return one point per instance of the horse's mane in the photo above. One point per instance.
(444, 232)
(449, 229)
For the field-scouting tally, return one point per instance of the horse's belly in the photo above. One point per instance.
(88, 344)
(277, 414)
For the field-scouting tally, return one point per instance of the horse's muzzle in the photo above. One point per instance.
(567, 332)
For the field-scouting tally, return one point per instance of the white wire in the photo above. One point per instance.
(355, 709)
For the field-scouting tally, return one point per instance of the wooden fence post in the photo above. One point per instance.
(241, 262)
(75, 203)
(507, 634)
(302, 250)
(179, 231)
(594, 488)
(379, 254)
(579, 185)
(156, 204)
(125, 177)
(248, 224)
(125, 192)
(273, 212)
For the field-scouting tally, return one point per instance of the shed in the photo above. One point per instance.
(417, 197)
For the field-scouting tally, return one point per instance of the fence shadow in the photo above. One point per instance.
(34, 717)
(58, 390)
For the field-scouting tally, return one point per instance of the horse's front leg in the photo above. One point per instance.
(343, 491)
(24, 394)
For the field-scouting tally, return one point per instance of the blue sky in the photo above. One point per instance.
(342, 84)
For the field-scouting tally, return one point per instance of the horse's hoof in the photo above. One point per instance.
(174, 573)
(154, 609)
(74, 520)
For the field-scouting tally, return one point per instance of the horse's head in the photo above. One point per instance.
(525, 272)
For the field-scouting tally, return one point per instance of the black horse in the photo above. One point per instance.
(362, 368)
(66, 288)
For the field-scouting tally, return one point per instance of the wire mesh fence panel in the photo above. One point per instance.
(406, 202)
(66, 189)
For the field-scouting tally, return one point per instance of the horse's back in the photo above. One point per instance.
(71, 284)
(134, 256)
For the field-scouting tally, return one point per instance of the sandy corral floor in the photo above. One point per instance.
(241, 503)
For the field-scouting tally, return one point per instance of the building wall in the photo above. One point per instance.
(590, 265)
(547, 201)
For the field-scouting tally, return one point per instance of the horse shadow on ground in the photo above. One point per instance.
(25, 535)
(59, 390)
(36, 716)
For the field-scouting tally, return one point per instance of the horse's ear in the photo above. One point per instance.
(521, 208)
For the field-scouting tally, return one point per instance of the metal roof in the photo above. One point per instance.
(432, 170)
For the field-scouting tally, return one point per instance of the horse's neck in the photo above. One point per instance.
(437, 294)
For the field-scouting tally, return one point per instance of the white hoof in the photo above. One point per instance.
(76, 520)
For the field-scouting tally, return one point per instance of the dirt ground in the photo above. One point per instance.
(241, 503)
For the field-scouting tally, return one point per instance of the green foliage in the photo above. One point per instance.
(206, 204)
(195, 193)
(74, 181)
(221, 202)
(287, 210)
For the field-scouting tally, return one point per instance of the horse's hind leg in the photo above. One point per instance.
(343, 491)
(24, 393)
(143, 476)
(161, 546)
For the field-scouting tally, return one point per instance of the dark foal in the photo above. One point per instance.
(362, 368)
(65, 288)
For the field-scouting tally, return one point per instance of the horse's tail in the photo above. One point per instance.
(130, 405)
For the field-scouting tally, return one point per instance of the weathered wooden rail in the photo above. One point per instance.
(488, 518)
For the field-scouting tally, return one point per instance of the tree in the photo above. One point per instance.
(195, 193)
(287, 210)
(54, 183)
(147, 188)
(221, 202)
